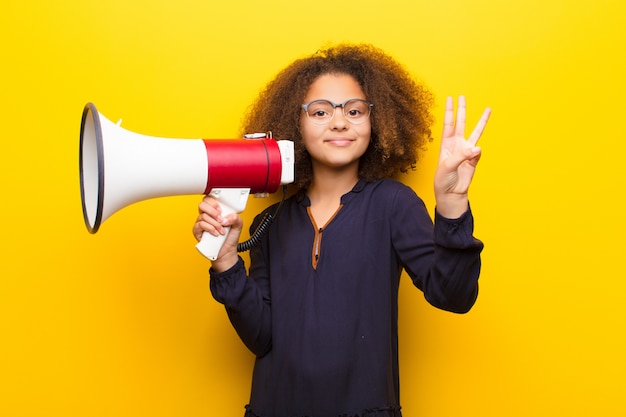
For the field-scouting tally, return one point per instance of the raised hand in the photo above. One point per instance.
(458, 158)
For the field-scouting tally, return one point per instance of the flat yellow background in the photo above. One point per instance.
(121, 323)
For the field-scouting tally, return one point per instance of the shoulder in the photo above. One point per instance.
(392, 189)
(274, 208)
(384, 196)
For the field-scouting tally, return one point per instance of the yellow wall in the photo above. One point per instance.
(121, 323)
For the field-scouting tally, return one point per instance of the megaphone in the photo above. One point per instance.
(119, 167)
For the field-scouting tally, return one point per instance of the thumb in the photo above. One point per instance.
(235, 223)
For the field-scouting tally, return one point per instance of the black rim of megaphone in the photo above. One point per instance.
(90, 110)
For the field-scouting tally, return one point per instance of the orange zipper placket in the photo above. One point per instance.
(317, 241)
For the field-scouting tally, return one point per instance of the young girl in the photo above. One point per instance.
(319, 306)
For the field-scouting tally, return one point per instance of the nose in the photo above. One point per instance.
(339, 121)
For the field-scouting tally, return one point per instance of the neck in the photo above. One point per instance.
(330, 185)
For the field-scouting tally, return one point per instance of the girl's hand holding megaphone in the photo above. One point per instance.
(210, 220)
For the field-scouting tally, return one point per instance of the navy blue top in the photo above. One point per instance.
(319, 308)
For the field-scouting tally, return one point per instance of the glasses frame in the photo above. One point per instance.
(305, 107)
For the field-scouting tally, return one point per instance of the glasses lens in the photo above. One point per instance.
(320, 111)
(356, 111)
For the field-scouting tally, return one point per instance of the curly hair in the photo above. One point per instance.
(400, 120)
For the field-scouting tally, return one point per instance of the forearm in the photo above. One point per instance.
(453, 281)
(224, 262)
(247, 307)
(451, 206)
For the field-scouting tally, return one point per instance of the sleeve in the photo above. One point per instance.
(442, 260)
(247, 302)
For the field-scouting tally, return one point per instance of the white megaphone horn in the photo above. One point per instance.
(119, 167)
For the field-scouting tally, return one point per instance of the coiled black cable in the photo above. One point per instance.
(263, 227)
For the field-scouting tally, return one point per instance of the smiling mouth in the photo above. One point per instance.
(340, 140)
(340, 143)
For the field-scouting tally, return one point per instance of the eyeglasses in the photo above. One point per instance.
(355, 110)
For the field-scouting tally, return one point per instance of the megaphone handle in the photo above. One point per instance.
(210, 245)
(231, 200)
